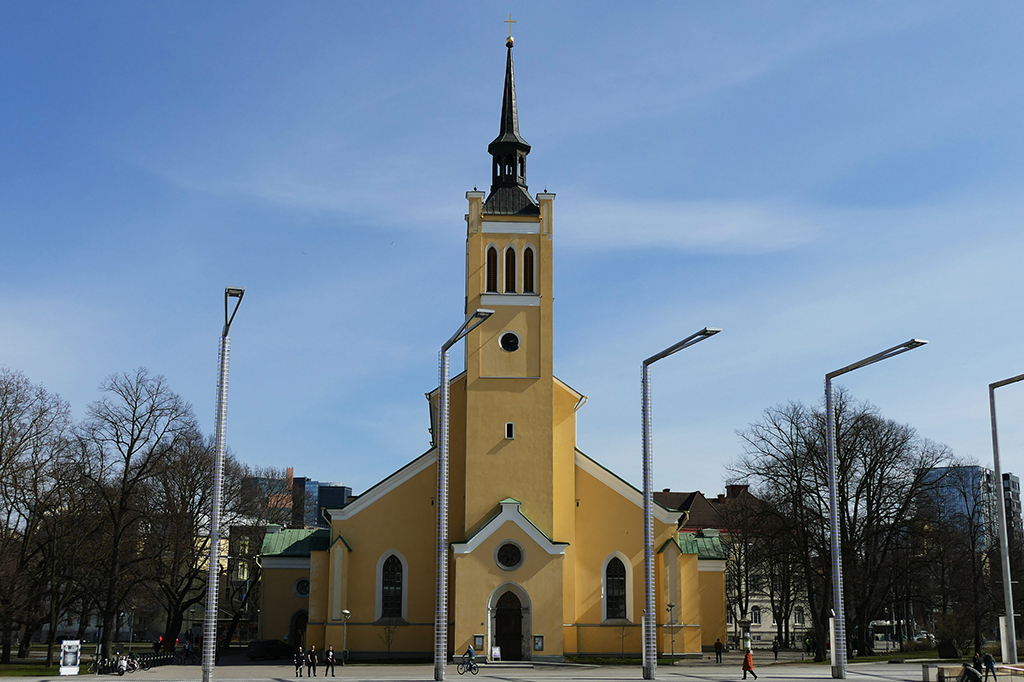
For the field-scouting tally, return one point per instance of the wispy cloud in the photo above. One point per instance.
(699, 227)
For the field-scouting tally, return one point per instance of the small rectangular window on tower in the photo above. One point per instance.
(510, 430)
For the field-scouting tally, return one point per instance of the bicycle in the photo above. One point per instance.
(467, 664)
(136, 663)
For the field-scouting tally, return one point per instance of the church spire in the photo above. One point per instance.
(509, 193)
(508, 138)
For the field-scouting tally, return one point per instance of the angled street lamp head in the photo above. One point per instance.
(878, 357)
(472, 322)
(231, 292)
(705, 333)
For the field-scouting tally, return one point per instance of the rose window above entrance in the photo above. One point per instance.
(509, 556)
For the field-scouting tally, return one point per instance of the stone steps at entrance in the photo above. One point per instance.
(507, 664)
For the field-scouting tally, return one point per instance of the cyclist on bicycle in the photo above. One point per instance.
(468, 663)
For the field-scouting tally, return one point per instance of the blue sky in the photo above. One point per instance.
(820, 180)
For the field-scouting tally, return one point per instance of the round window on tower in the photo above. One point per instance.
(509, 555)
(509, 342)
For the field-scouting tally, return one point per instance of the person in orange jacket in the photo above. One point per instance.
(748, 665)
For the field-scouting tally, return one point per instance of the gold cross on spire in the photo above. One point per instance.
(510, 21)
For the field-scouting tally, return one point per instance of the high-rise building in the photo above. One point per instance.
(1011, 502)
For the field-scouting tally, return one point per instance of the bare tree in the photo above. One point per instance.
(179, 529)
(33, 423)
(882, 474)
(388, 634)
(127, 438)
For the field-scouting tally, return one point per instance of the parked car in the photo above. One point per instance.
(268, 649)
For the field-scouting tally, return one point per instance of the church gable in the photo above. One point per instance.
(615, 484)
(510, 513)
(385, 487)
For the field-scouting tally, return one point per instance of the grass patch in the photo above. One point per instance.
(882, 658)
(28, 669)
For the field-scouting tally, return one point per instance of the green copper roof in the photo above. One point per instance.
(296, 542)
(705, 547)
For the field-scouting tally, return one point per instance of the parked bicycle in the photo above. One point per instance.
(99, 666)
(133, 663)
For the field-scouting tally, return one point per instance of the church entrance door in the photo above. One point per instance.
(508, 627)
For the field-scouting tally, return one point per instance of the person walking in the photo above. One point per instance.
(300, 660)
(329, 661)
(748, 664)
(990, 665)
(719, 648)
(311, 662)
(775, 648)
(969, 674)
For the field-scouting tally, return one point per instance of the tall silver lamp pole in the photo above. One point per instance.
(441, 613)
(210, 627)
(1010, 641)
(839, 639)
(650, 662)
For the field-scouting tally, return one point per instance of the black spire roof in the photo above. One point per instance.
(509, 194)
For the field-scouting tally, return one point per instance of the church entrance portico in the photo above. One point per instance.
(510, 623)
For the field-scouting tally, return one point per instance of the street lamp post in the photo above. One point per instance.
(671, 624)
(210, 626)
(441, 613)
(1010, 636)
(344, 636)
(839, 637)
(650, 660)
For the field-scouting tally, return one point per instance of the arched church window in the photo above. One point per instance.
(391, 588)
(510, 270)
(615, 589)
(492, 270)
(528, 287)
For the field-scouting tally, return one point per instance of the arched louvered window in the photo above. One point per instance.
(492, 270)
(528, 286)
(615, 589)
(391, 588)
(510, 270)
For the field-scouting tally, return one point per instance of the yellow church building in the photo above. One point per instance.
(546, 554)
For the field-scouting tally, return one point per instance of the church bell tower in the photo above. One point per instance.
(509, 380)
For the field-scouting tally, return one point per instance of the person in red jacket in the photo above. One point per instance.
(748, 665)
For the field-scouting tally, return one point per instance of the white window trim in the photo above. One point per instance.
(380, 583)
(629, 585)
